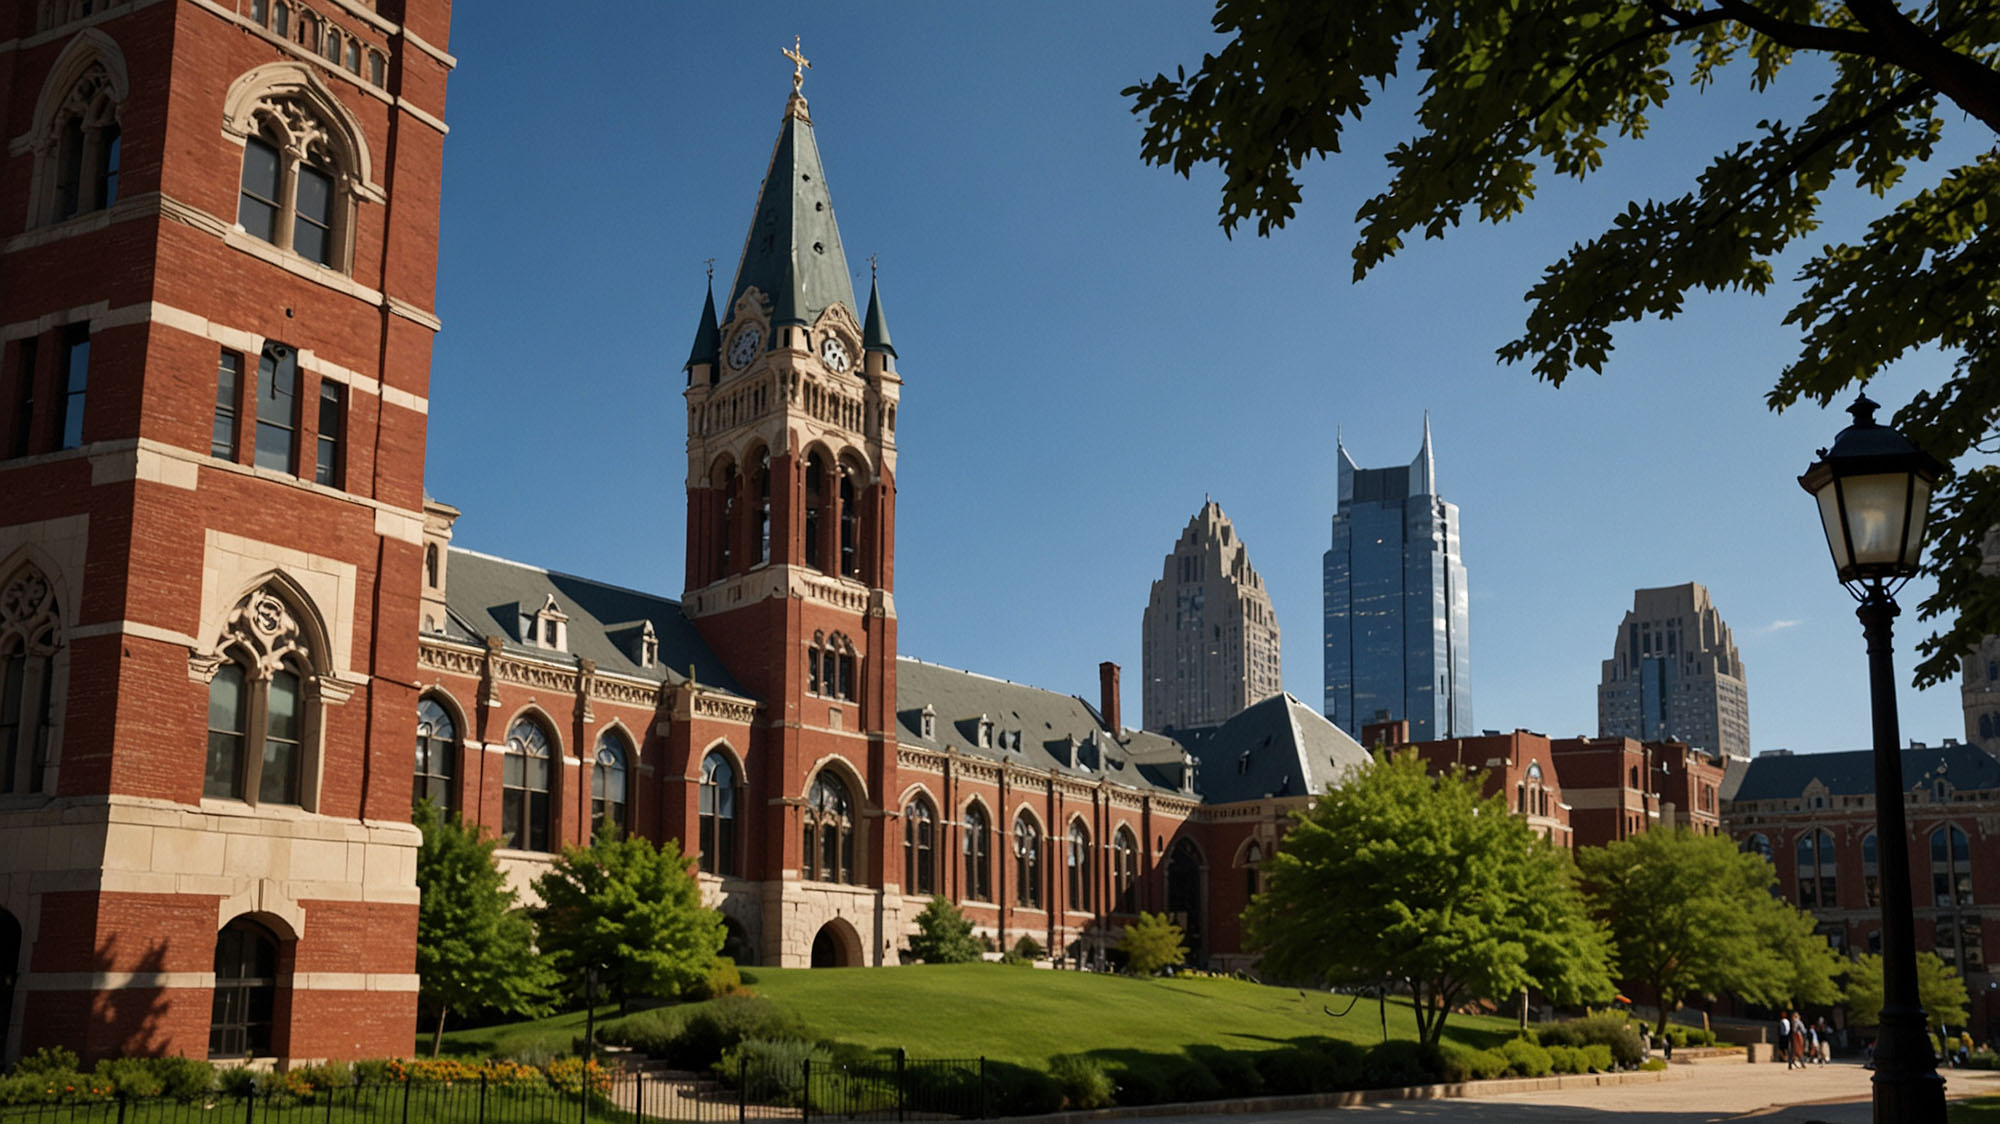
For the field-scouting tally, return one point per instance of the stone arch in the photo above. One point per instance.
(253, 624)
(90, 47)
(539, 715)
(257, 90)
(849, 776)
(253, 962)
(914, 790)
(837, 945)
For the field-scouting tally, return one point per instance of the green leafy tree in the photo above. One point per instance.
(632, 911)
(944, 935)
(475, 949)
(1399, 875)
(1509, 89)
(1940, 989)
(1152, 944)
(1692, 915)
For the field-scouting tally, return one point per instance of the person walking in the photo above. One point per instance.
(1798, 1039)
(1785, 1038)
(1825, 1041)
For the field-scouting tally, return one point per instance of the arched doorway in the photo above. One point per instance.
(10, 974)
(736, 943)
(1185, 897)
(836, 945)
(246, 991)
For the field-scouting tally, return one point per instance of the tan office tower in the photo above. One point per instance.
(1211, 637)
(1674, 674)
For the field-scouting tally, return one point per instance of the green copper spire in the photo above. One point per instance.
(875, 333)
(793, 253)
(707, 337)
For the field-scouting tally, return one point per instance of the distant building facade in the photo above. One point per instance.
(1210, 635)
(1396, 629)
(1813, 817)
(1980, 682)
(1674, 673)
(1619, 787)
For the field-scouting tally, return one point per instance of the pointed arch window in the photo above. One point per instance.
(1076, 858)
(829, 831)
(850, 527)
(1253, 863)
(919, 847)
(524, 788)
(30, 637)
(718, 814)
(1756, 843)
(760, 514)
(1125, 870)
(1027, 862)
(1951, 866)
(261, 722)
(978, 847)
(815, 503)
(607, 788)
(830, 671)
(83, 148)
(725, 482)
(437, 758)
(1871, 882)
(1814, 869)
(296, 187)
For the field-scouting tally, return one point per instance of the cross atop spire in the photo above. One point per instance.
(800, 63)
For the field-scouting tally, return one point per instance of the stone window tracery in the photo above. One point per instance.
(1077, 859)
(524, 787)
(80, 148)
(830, 667)
(607, 787)
(1027, 862)
(30, 639)
(1125, 870)
(437, 758)
(829, 832)
(978, 855)
(718, 814)
(264, 701)
(304, 168)
(919, 847)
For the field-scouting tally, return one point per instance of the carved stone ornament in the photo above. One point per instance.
(261, 627)
(26, 603)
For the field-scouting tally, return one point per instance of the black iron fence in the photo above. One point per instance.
(895, 1087)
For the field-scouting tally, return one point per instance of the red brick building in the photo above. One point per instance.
(1619, 787)
(1813, 816)
(1521, 767)
(218, 235)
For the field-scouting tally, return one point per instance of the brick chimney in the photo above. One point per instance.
(1107, 693)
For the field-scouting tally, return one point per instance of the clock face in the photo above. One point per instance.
(743, 348)
(834, 353)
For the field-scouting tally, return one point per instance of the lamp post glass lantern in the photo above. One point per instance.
(1874, 491)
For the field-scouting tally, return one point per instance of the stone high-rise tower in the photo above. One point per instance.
(1674, 674)
(1210, 635)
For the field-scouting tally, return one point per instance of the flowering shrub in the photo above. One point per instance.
(573, 1075)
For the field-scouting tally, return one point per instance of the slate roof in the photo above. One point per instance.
(793, 252)
(1852, 773)
(486, 597)
(1046, 721)
(1277, 747)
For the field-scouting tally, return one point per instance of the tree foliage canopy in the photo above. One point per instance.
(1510, 88)
(944, 935)
(1940, 990)
(632, 911)
(1400, 875)
(475, 949)
(1152, 943)
(1692, 915)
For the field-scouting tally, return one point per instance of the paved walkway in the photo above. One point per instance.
(1838, 1093)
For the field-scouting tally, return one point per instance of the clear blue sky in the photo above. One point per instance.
(1086, 355)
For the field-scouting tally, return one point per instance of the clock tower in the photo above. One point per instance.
(791, 408)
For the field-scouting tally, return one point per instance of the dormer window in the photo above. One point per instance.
(649, 645)
(927, 724)
(985, 733)
(546, 627)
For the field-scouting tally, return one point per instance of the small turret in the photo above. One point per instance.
(707, 349)
(875, 329)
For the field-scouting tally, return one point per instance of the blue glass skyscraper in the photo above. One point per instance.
(1396, 603)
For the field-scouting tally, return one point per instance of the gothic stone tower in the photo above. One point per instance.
(791, 566)
(218, 245)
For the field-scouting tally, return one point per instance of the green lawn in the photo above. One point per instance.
(551, 1036)
(1026, 1015)
(1978, 1110)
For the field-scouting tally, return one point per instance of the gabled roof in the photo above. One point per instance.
(1852, 773)
(1277, 747)
(486, 596)
(1046, 721)
(793, 253)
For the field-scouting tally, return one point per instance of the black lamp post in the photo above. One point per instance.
(1874, 492)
